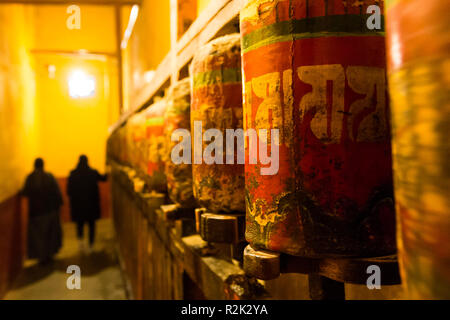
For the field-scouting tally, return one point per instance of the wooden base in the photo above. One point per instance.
(220, 228)
(175, 212)
(261, 264)
(267, 265)
(161, 253)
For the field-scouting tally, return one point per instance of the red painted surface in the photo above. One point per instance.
(12, 240)
(327, 96)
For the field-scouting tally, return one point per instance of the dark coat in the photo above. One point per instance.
(44, 236)
(43, 193)
(83, 192)
(44, 227)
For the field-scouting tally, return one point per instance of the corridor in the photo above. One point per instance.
(224, 149)
(101, 278)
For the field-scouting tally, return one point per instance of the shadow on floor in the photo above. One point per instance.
(100, 272)
(92, 264)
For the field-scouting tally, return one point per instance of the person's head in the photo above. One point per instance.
(38, 164)
(83, 161)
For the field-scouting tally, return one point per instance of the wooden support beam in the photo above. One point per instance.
(205, 28)
(210, 22)
(217, 278)
(267, 265)
(78, 2)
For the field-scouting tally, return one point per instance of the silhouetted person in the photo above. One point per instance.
(44, 202)
(84, 197)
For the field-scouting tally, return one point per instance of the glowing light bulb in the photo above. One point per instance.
(81, 85)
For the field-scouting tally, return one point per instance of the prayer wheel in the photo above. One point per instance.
(216, 105)
(123, 149)
(138, 151)
(129, 142)
(418, 43)
(112, 146)
(178, 116)
(315, 71)
(155, 139)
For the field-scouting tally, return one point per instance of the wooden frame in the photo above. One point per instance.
(209, 23)
(218, 279)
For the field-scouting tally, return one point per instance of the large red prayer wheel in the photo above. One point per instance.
(418, 42)
(216, 102)
(155, 138)
(314, 71)
(178, 116)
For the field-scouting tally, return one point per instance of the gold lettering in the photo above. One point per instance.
(318, 76)
(267, 87)
(364, 80)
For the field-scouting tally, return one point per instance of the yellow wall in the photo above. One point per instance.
(201, 5)
(37, 116)
(97, 32)
(19, 140)
(70, 126)
(149, 43)
(150, 40)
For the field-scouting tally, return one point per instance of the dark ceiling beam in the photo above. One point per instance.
(69, 2)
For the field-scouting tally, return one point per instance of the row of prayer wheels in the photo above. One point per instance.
(308, 160)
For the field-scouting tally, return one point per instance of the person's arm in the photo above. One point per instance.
(101, 177)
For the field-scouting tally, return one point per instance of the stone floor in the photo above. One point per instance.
(101, 278)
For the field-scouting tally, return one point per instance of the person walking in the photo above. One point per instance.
(84, 196)
(44, 203)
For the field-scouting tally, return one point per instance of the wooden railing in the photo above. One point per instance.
(219, 18)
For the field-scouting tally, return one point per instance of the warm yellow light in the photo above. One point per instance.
(133, 16)
(81, 85)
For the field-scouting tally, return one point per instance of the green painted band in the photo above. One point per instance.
(293, 37)
(217, 76)
(336, 26)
